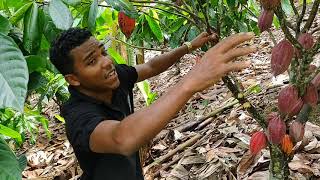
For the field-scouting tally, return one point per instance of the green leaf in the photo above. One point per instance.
(10, 133)
(116, 56)
(242, 26)
(72, 2)
(60, 14)
(286, 6)
(13, 74)
(61, 119)
(9, 166)
(49, 29)
(155, 27)
(125, 6)
(93, 15)
(176, 38)
(193, 33)
(31, 30)
(36, 63)
(5, 25)
(22, 159)
(19, 14)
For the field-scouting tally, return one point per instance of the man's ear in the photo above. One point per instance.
(72, 79)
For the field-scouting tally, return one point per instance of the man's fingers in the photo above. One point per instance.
(237, 52)
(237, 66)
(234, 40)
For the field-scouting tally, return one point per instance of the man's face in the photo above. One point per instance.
(94, 70)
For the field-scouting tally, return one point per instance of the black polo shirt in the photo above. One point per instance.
(83, 113)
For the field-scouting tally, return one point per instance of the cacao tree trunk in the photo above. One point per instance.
(279, 169)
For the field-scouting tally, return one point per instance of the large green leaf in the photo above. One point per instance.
(36, 63)
(93, 15)
(125, 6)
(60, 14)
(72, 2)
(116, 56)
(155, 27)
(19, 14)
(10, 133)
(13, 74)
(9, 165)
(5, 25)
(31, 30)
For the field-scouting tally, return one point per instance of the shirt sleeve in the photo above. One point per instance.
(128, 75)
(81, 126)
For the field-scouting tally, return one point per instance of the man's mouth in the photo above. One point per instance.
(110, 73)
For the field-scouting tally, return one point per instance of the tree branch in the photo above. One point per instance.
(304, 7)
(312, 15)
(139, 47)
(284, 27)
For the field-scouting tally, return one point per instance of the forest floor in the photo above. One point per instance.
(209, 137)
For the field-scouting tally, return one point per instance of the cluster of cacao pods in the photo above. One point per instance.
(276, 134)
(283, 53)
(126, 24)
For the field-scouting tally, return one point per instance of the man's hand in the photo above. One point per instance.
(217, 62)
(203, 38)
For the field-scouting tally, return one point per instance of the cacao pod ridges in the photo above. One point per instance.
(276, 130)
(258, 142)
(289, 102)
(306, 40)
(126, 24)
(311, 95)
(281, 57)
(316, 81)
(265, 20)
(296, 131)
(286, 144)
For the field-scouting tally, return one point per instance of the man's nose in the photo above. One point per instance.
(105, 62)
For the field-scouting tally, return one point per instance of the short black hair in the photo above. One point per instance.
(63, 44)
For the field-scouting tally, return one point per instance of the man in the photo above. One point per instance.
(100, 123)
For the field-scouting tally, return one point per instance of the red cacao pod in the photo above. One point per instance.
(316, 81)
(265, 20)
(289, 102)
(270, 4)
(271, 116)
(276, 130)
(258, 141)
(296, 131)
(281, 57)
(126, 24)
(306, 40)
(286, 144)
(311, 95)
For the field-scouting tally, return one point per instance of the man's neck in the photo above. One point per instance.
(103, 96)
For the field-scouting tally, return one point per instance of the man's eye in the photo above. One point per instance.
(104, 52)
(92, 61)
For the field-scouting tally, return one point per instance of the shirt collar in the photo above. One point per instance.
(78, 95)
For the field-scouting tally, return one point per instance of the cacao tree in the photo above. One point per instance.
(295, 54)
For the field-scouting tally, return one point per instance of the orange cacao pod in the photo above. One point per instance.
(270, 4)
(311, 95)
(289, 102)
(258, 141)
(126, 24)
(306, 40)
(296, 131)
(286, 144)
(265, 20)
(281, 57)
(276, 130)
(316, 80)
